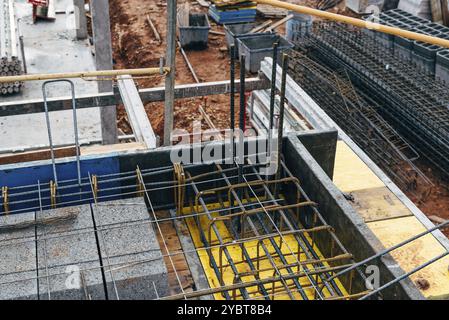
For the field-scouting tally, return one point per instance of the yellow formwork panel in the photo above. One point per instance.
(235, 252)
(378, 204)
(351, 173)
(418, 252)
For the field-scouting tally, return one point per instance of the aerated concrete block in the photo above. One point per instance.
(68, 258)
(18, 275)
(134, 267)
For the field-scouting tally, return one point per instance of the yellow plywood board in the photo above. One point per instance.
(351, 173)
(418, 252)
(378, 204)
(290, 245)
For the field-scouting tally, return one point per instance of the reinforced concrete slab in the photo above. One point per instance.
(50, 47)
(132, 259)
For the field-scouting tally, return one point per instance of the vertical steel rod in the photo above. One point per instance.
(273, 85)
(232, 100)
(170, 78)
(281, 119)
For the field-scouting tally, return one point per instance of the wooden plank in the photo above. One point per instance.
(153, 28)
(378, 204)
(179, 267)
(104, 149)
(137, 115)
(101, 29)
(189, 65)
(279, 23)
(37, 155)
(445, 12)
(261, 27)
(435, 8)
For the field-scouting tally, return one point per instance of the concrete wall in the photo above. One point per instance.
(349, 226)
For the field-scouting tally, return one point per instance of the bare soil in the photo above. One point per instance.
(135, 46)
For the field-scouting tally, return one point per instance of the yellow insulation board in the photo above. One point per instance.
(391, 221)
(290, 245)
(351, 173)
(394, 231)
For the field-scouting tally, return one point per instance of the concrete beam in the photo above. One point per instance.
(109, 98)
(143, 132)
(349, 227)
(103, 58)
(81, 20)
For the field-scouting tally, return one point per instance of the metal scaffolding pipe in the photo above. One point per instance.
(86, 74)
(357, 22)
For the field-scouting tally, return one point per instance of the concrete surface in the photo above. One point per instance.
(67, 252)
(18, 276)
(125, 240)
(349, 227)
(51, 47)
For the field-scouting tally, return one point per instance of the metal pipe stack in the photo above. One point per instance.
(10, 53)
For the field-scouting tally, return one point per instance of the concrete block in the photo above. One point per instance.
(136, 276)
(120, 211)
(442, 65)
(438, 27)
(69, 263)
(18, 275)
(424, 63)
(82, 220)
(403, 48)
(14, 220)
(125, 240)
(360, 6)
(81, 281)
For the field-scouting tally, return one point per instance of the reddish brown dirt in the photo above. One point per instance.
(135, 47)
(437, 203)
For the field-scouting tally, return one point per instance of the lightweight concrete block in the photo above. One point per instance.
(120, 211)
(18, 275)
(68, 258)
(82, 281)
(130, 251)
(136, 277)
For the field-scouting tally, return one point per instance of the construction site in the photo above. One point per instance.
(224, 150)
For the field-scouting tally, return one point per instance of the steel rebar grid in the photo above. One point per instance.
(260, 183)
(412, 101)
(317, 270)
(361, 122)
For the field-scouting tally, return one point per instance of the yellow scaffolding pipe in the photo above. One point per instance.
(85, 74)
(357, 22)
